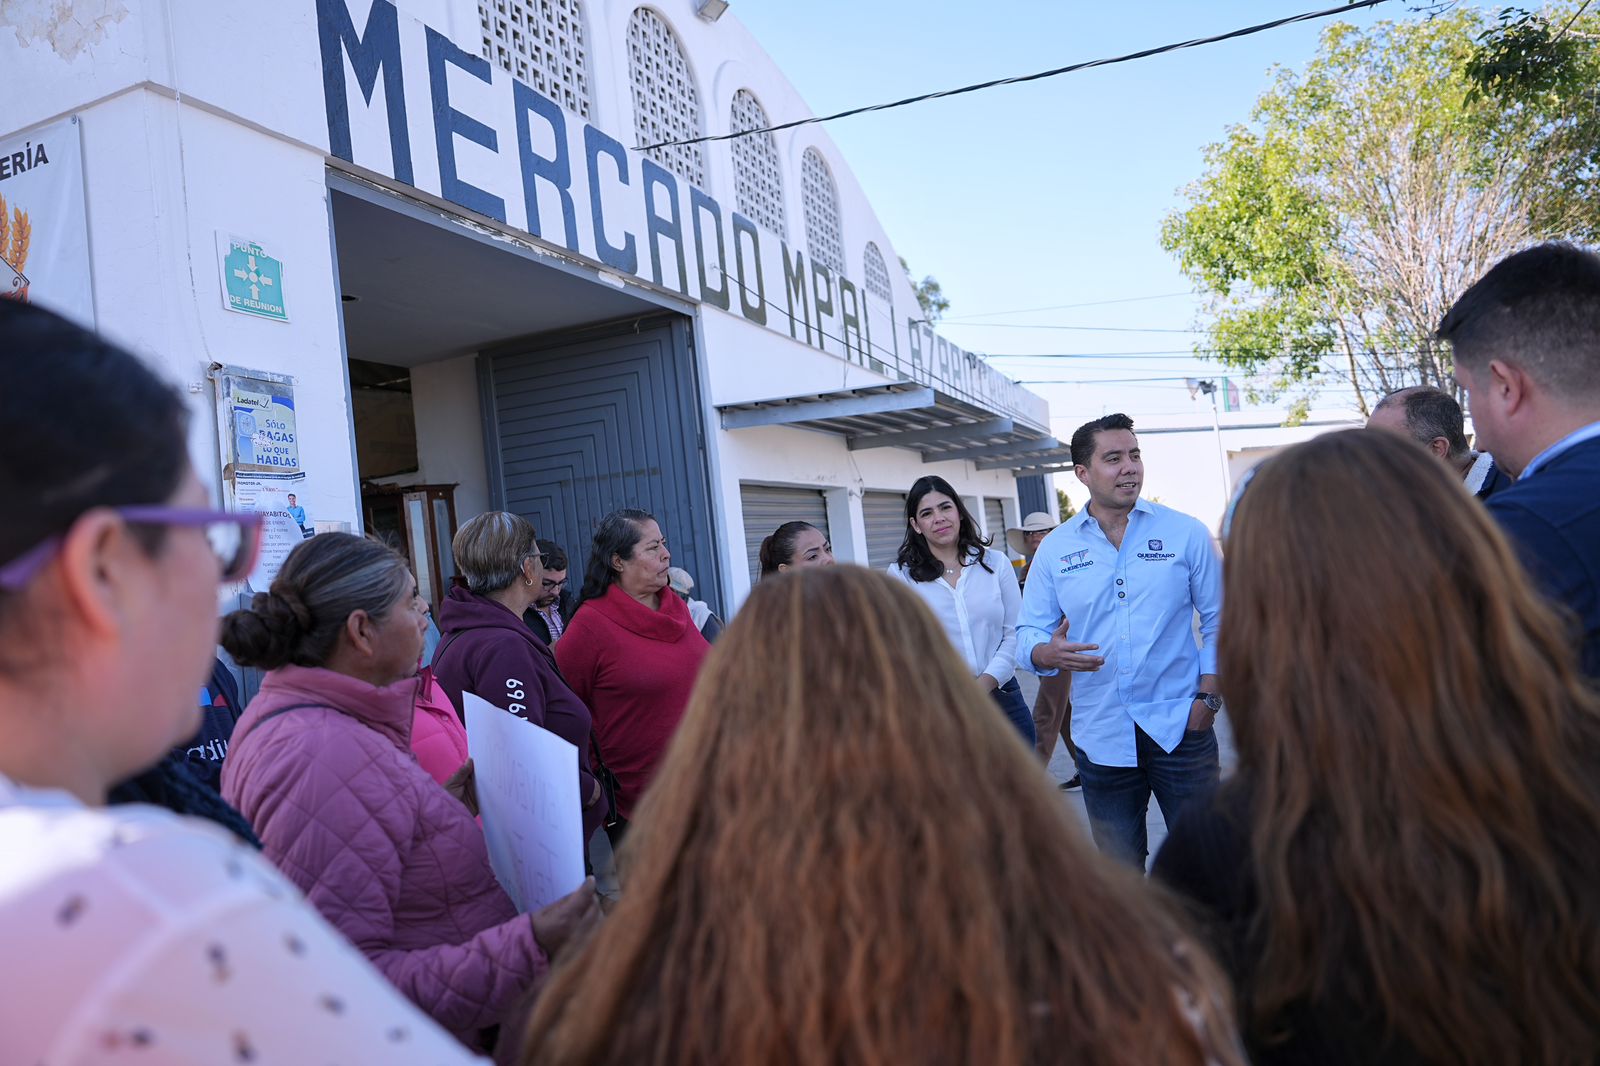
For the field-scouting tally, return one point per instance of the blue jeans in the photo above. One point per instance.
(1117, 798)
(1015, 708)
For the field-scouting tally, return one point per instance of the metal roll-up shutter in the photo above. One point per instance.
(995, 515)
(885, 516)
(766, 508)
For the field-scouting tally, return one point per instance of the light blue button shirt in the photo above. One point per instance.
(1571, 440)
(1138, 604)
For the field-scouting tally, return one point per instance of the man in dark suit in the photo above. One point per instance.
(550, 613)
(1432, 418)
(1526, 339)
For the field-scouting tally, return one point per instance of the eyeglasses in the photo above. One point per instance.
(235, 539)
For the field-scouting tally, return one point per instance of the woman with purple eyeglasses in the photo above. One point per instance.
(134, 933)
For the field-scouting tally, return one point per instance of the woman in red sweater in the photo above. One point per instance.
(631, 652)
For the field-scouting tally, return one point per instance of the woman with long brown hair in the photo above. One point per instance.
(1406, 867)
(844, 859)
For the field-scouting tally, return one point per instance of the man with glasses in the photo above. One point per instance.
(550, 613)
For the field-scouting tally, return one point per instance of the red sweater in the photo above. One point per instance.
(634, 668)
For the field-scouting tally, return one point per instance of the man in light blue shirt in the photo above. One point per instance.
(1125, 578)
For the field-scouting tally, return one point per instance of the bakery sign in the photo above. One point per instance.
(44, 233)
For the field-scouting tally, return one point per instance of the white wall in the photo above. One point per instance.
(161, 178)
(444, 397)
(1182, 469)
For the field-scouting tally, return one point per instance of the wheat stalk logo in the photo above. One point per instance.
(16, 233)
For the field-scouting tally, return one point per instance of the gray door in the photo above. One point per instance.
(1031, 495)
(995, 515)
(580, 427)
(885, 517)
(766, 508)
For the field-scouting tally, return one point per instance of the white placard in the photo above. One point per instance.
(527, 780)
(44, 232)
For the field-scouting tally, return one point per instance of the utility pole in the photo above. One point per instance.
(1210, 389)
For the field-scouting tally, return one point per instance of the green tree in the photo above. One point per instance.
(1064, 508)
(930, 294)
(1367, 192)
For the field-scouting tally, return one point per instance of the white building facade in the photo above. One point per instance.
(430, 225)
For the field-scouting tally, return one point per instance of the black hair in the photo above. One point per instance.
(1538, 309)
(1430, 413)
(618, 534)
(778, 549)
(1083, 437)
(915, 555)
(554, 557)
(322, 583)
(83, 424)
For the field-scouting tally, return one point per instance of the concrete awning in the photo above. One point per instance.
(898, 415)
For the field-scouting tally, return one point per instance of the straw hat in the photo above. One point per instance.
(679, 580)
(1037, 522)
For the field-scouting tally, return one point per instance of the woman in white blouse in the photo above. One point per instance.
(132, 935)
(971, 589)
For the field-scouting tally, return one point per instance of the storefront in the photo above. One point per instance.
(434, 222)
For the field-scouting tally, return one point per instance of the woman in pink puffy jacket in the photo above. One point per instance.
(438, 736)
(321, 765)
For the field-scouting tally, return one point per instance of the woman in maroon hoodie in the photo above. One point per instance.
(631, 651)
(486, 649)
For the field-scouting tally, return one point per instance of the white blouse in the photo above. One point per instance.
(134, 936)
(979, 612)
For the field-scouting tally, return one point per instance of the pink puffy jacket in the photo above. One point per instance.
(393, 861)
(438, 739)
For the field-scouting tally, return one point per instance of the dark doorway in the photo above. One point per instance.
(585, 425)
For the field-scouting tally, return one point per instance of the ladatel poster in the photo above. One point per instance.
(44, 233)
(275, 497)
(260, 447)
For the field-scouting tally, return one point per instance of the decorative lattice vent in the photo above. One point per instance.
(665, 104)
(757, 179)
(820, 196)
(540, 43)
(876, 273)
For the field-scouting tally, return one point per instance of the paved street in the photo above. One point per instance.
(1061, 768)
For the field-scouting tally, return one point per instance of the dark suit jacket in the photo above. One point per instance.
(1553, 518)
(1495, 481)
(567, 603)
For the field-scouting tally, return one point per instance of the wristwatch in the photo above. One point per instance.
(1212, 700)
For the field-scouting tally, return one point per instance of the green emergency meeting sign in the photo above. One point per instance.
(252, 280)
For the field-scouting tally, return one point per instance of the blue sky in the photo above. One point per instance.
(1046, 193)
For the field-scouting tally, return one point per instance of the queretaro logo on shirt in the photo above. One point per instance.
(1076, 561)
(1156, 551)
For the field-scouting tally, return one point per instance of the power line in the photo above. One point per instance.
(1087, 329)
(1277, 353)
(1018, 79)
(1068, 307)
(1097, 381)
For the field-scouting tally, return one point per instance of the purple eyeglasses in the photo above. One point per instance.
(234, 538)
